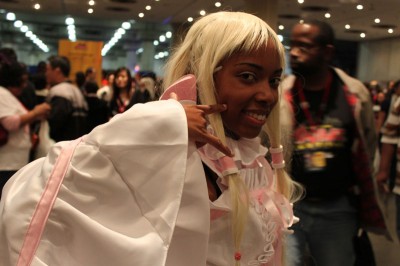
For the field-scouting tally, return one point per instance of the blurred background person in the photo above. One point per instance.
(142, 93)
(15, 118)
(122, 91)
(28, 95)
(39, 81)
(333, 150)
(106, 92)
(80, 80)
(90, 75)
(98, 109)
(68, 117)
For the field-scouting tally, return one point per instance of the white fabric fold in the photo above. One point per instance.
(121, 200)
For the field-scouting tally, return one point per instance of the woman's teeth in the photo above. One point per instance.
(257, 116)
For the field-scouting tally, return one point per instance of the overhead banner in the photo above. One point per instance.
(82, 55)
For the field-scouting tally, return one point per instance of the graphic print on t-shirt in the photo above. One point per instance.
(322, 160)
(316, 144)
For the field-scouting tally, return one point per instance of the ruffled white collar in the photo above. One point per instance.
(246, 150)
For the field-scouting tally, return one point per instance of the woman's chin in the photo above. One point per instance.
(248, 134)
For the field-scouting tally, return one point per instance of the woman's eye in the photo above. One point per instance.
(275, 82)
(248, 76)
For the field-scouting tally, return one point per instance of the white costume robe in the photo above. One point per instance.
(133, 192)
(130, 185)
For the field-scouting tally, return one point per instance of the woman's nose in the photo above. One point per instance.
(266, 93)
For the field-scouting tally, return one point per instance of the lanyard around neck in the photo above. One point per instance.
(305, 106)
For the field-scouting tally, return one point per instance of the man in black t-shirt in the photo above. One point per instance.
(333, 143)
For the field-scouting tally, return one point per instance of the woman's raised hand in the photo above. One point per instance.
(197, 124)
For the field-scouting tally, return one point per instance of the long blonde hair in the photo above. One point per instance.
(209, 41)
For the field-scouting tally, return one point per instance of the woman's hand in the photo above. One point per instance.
(197, 124)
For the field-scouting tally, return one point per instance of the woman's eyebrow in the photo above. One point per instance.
(259, 67)
(250, 64)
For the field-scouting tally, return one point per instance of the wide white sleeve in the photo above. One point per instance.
(120, 198)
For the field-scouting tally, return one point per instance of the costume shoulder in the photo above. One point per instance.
(119, 198)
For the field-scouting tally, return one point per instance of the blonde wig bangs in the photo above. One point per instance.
(214, 38)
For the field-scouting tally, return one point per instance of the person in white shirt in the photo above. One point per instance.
(15, 119)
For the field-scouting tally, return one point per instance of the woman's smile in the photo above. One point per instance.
(248, 84)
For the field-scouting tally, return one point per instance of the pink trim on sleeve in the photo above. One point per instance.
(45, 204)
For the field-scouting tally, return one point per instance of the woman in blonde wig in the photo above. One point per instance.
(153, 186)
(238, 60)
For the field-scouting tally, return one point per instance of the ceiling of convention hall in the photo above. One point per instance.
(98, 20)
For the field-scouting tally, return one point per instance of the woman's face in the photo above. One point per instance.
(121, 80)
(248, 85)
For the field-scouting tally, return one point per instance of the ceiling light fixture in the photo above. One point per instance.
(69, 21)
(117, 36)
(71, 29)
(29, 34)
(390, 31)
(217, 4)
(18, 23)
(281, 27)
(162, 39)
(91, 4)
(36, 6)
(377, 20)
(190, 19)
(141, 15)
(139, 51)
(362, 35)
(10, 16)
(126, 25)
(347, 26)
(202, 12)
(360, 7)
(161, 55)
(300, 1)
(148, 7)
(327, 15)
(24, 28)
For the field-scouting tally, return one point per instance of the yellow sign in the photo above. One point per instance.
(82, 55)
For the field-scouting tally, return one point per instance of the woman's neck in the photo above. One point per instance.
(124, 94)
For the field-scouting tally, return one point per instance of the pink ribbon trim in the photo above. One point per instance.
(45, 204)
(277, 157)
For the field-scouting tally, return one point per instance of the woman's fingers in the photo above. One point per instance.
(210, 109)
(217, 143)
(174, 96)
(197, 125)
